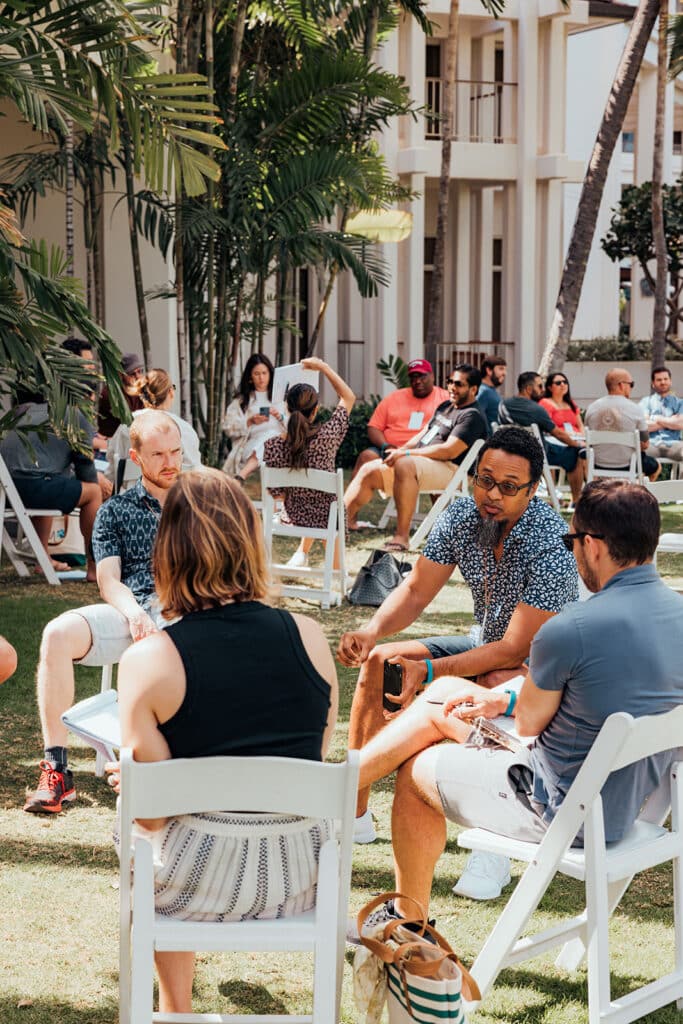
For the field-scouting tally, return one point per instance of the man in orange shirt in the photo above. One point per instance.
(402, 415)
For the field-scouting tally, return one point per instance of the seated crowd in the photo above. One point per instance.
(182, 571)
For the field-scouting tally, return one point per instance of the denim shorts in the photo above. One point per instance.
(49, 491)
(446, 646)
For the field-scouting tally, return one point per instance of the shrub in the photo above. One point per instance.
(613, 349)
(357, 435)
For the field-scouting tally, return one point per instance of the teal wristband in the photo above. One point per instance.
(511, 705)
(430, 672)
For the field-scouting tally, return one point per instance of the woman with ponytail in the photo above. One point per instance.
(309, 446)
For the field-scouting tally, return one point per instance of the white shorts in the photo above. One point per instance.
(109, 632)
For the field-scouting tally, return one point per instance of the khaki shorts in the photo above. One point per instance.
(432, 474)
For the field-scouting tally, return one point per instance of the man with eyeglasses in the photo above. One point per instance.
(427, 461)
(622, 650)
(507, 544)
(615, 411)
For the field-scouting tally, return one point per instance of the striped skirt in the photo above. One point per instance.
(227, 866)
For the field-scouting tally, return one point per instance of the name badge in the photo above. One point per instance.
(416, 420)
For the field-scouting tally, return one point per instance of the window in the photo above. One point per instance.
(678, 143)
(628, 140)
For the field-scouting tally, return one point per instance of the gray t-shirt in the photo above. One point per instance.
(614, 412)
(49, 457)
(622, 650)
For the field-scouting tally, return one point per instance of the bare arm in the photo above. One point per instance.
(535, 708)
(318, 650)
(566, 438)
(119, 596)
(151, 687)
(674, 422)
(346, 395)
(377, 438)
(445, 451)
(400, 609)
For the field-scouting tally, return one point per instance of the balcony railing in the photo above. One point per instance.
(484, 111)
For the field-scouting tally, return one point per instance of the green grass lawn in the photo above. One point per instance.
(59, 900)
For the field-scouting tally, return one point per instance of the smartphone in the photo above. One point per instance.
(393, 684)
(264, 410)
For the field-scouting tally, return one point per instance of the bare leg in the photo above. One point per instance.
(367, 714)
(364, 457)
(576, 479)
(249, 467)
(43, 527)
(65, 640)
(361, 489)
(89, 502)
(417, 812)
(406, 492)
(176, 972)
(421, 725)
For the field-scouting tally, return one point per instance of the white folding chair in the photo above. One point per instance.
(274, 784)
(607, 870)
(12, 509)
(315, 480)
(456, 488)
(666, 491)
(627, 439)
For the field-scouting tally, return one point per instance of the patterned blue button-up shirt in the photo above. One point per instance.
(535, 569)
(126, 528)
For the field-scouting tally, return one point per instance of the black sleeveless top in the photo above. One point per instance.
(251, 687)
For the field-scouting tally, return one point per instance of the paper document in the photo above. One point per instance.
(286, 376)
(96, 720)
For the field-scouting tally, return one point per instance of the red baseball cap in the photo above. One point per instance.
(420, 366)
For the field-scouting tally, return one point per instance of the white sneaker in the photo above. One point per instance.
(364, 829)
(484, 876)
(299, 560)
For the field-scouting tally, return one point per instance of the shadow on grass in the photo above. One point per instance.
(48, 852)
(42, 1010)
(247, 997)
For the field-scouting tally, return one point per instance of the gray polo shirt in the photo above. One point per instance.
(622, 650)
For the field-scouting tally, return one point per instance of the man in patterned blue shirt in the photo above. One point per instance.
(508, 546)
(123, 538)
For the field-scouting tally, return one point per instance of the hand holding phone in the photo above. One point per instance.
(264, 410)
(393, 684)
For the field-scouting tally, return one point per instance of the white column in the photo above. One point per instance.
(385, 306)
(414, 74)
(484, 247)
(463, 264)
(414, 282)
(527, 118)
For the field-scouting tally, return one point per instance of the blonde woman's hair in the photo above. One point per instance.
(153, 388)
(209, 549)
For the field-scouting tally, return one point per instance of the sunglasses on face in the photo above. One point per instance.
(569, 538)
(456, 383)
(560, 382)
(629, 383)
(506, 487)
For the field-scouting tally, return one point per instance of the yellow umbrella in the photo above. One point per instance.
(381, 225)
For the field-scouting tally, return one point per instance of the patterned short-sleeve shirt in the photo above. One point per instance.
(126, 528)
(535, 568)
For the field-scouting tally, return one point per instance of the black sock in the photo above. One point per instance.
(58, 757)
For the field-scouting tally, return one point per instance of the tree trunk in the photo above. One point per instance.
(435, 318)
(658, 233)
(583, 231)
(212, 410)
(69, 198)
(127, 147)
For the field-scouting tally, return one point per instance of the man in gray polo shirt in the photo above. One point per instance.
(622, 650)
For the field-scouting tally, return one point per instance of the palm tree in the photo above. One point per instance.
(555, 351)
(658, 232)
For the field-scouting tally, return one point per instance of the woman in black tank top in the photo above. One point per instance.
(230, 675)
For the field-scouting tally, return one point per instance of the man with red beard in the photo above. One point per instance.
(508, 546)
(123, 538)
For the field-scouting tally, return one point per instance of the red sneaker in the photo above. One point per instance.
(54, 788)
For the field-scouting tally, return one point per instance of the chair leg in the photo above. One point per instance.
(328, 967)
(142, 936)
(597, 931)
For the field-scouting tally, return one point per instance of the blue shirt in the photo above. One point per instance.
(662, 405)
(622, 650)
(535, 568)
(126, 528)
(488, 401)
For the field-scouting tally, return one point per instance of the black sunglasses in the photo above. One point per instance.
(560, 380)
(457, 383)
(569, 538)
